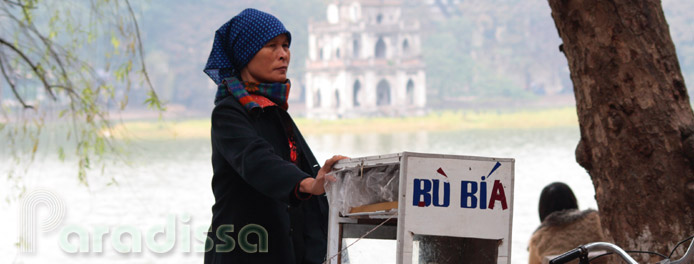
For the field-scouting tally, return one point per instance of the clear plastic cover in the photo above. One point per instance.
(363, 186)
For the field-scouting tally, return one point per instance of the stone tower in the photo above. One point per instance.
(365, 61)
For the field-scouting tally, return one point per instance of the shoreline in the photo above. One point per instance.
(435, 121)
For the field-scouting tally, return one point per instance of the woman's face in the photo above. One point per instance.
(270, 63)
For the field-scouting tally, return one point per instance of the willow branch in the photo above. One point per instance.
(32, 65)
(13, 87)
(19, 4)
(140, 49)
(31, 27)
(49, 45)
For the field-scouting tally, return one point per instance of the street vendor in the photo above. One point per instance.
(268, 187)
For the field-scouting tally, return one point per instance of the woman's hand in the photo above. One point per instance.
(316, 186)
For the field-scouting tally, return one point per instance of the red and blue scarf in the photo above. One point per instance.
(252, 95)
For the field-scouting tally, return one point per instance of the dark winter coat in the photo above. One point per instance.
(255, 184)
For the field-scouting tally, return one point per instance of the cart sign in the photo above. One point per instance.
(448, 208)
(439, 192)
(457, 196)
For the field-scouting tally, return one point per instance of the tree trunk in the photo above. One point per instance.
(635, 119)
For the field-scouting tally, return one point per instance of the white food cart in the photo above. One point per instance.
(439, 208)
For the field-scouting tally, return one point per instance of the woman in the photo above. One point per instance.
(563, 226)
(268, 187)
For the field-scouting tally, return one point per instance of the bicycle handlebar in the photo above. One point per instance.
(688, 255)
(582, 251)
(610, 248)
(568, 256)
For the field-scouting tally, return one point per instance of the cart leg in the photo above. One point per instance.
(339, 244)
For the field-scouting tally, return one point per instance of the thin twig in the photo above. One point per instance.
(49, 45)
(13, 87)
(66, 88)
(31, 64)
(19, 4)
(141, 50)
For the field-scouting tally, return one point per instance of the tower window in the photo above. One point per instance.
(380, 50)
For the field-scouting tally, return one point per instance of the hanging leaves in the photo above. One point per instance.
(57, 59)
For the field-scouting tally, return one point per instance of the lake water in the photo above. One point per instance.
(166, 184)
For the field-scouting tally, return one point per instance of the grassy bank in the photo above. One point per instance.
(435, 121)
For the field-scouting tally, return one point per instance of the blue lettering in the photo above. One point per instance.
(421, 194)
(468, 194)
(446, 194)
(483, 194)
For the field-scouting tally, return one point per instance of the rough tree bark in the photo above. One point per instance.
(635, 118)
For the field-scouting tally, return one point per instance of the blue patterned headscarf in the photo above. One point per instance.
(237, 41)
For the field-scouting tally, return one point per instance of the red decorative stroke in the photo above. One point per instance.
(440, 171)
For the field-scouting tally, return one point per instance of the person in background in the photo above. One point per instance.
(563, 227)
(268, 187)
